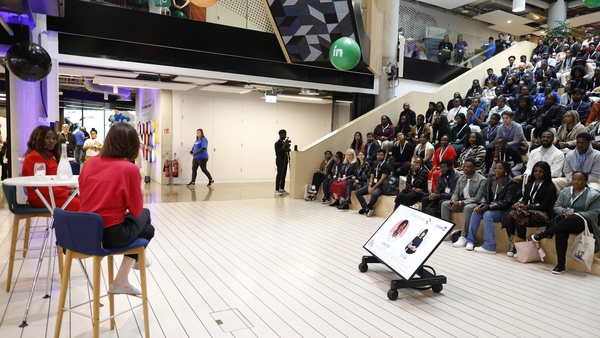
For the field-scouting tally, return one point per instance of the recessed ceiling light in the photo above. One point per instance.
(509, 21)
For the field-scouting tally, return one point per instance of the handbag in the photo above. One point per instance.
(390, 185)
(528, 252)
(525, 217)
(583, 246)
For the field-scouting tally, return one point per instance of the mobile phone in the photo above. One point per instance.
(452, 204)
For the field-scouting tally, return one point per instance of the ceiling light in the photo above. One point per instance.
(309, 91)
(226, 89)
(115, 81)
(300, 97)
(82, 71)
(105, 96)
(115, 89)
(518, 5)
(509, 21)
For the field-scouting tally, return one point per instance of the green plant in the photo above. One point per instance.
(561, 31)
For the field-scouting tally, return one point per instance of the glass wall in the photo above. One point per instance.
(92, 118)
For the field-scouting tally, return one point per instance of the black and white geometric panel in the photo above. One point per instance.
(309, 27)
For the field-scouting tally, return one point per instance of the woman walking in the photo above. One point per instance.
(200, 157)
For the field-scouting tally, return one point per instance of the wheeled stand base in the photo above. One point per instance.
(425, 280)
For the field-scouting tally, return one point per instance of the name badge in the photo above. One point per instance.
(374, 180)
(447, 190)
(597, 138)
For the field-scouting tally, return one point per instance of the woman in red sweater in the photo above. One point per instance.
(445, 152)
(42, 147)
(110, 186)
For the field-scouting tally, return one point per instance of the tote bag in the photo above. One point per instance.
(528, 252)
(583, 246)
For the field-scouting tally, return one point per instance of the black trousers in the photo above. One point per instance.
(407, 197)
(281, 173)
(202, 164)
(512, 228)
(561, 231)
(317, 180)
(132, 228)
(326, 184)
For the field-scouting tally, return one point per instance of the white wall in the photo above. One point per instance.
(406, 86)
(241, 131)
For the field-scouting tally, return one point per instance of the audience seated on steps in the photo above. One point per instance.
(440, 128)
(566, 135)
(489, 134)
(459, 133)
(583, 158)
(337, 188)
(359, 179)
(580, 206)
(499, 194)
(384, 132)
(500, 107)
(542, 124)
(357, 143)
(445, 152)
(411, 116)
(474, 149)
(503, 153)
(535, 209)
(379, 173)
(444, 189)
(440, 110)
(335, 169)
(475, 115)
(371, 148)
(401, 156)
(469, 190)
(582, 108)
(416, 185)
(420, 128)
(424, 150)
(512, 132)
(319, 176)
(548, 153)
(456, 109)
(429, 114)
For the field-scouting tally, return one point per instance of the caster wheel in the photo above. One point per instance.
(437, 288)
(392, 294)
(363, 267)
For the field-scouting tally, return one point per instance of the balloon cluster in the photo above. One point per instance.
(592, 3)
(121, 118)
(344, 54)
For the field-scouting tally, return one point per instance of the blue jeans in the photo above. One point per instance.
(489, 238)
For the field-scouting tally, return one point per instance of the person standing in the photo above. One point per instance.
(68, 138)
(282, 150)
(200, 157)
(79, 140)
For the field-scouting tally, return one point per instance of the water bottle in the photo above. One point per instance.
(64, 171)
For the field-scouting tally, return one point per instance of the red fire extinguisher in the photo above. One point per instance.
(167, 166)
(175, 165)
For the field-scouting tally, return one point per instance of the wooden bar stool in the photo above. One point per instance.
(19, 211)
(80, 233)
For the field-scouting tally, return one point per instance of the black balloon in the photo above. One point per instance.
(28, 61)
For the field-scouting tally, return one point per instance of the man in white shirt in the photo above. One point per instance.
(457, 109)
(547, 153)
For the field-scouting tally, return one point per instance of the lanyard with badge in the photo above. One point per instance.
(534, 190)
(504, 132)
(447, 189)
(573, 199)
(581, 160)
(377, 172)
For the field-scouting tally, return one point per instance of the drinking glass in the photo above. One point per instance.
(39, 170)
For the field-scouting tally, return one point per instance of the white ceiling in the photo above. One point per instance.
(447, 4)
(499, 21)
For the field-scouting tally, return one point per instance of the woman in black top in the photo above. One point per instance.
(360, 178)
(451, 102)
(439, 129)
(404, 126)
(411, 248)
(524, 110)
(460, 132)
(539, 195)
(429, 113)
(402, 153)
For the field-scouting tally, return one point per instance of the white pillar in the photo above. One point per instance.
(389, 49)
(557, 12)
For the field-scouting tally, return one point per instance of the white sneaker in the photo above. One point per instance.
(510, 254)
(470, 246)
(282, 191)
(136, 265)
(461, 243)
(278, 193)
(515, 256)
(482, 250)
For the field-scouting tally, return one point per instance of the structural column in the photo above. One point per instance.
(389, 49)
(557, 12)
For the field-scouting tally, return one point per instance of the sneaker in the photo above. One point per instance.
(343, 206)
(334, 203)
(325, 200)
(278, 193)
(369, 212)
(515, 256)
(537, 237)
(283, 191)
(470, 246)
(136, 265)
(191, 184)
(483, 250)
(461, 243)
(511, 249)
(210, 183)
(362, 211)
(558, 270)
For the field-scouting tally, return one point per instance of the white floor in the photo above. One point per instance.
(277, 267)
